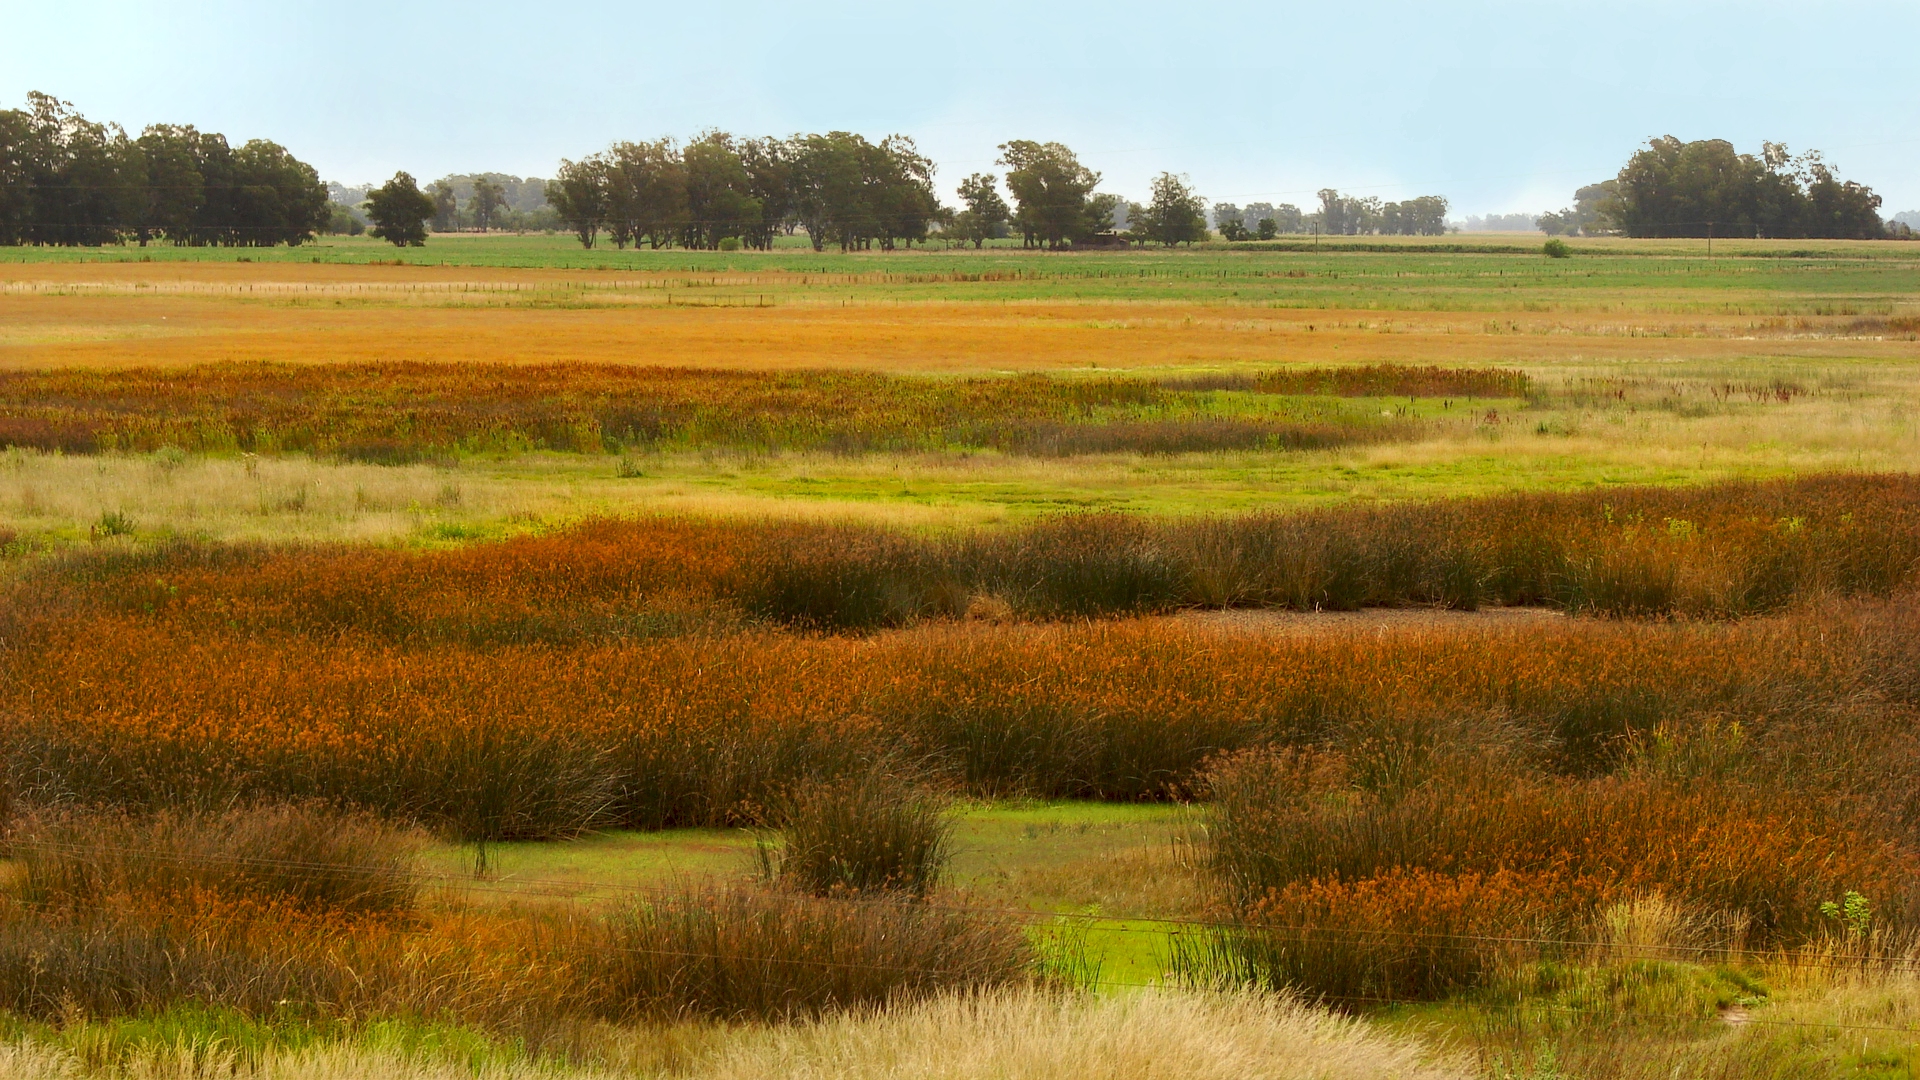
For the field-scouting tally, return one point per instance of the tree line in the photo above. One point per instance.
(718, 190)
(842, 190)
(66, 180)
(1706, 188)
(1339, 215)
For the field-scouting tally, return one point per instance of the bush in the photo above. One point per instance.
(1421, 891)
(876, 830)
(1717, 849)
(708, 729)
(1556, 248)
(739, 954)
(1401, 935)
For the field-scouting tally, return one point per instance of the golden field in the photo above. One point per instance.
(433, 662)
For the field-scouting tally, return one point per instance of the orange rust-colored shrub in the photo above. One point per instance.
(401, 412)
(539, 740)
(1401, 935)
(1721, 551)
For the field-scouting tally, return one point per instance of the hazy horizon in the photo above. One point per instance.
(1500, 107)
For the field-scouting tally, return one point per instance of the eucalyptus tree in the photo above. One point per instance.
(488, 199)
(578, 194)
(400, 211)
(1174, 215)
(1050, 189)
(986, 212)
(645, 192)
(719, 199)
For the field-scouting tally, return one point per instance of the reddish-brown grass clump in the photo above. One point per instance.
(401, 412)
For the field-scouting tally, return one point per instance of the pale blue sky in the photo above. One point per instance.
(1498, 106)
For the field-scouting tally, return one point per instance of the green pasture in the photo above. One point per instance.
(1756, 277)
(1090, 863)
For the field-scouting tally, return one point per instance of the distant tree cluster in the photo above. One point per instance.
(719, 189)
(65, 180)
(1513, 222)
(1258, 221)
(1349, 215)
(1590, 215)
(1339, 215)
(486, 201)
(1705, 188)
(986, 216)
(1174, 215)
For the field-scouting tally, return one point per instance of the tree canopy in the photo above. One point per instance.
(1350, 215)
(843, 189)
(1052, 193)
(1706, 188)
(1175, 215)
(66, 180)
(986, 215)
(400, 211)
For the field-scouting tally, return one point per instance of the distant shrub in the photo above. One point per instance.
(729, 243)
(1557, 248)
(113, 523)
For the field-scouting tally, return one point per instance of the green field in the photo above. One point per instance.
(1753, 278)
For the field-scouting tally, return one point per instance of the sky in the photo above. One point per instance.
(1498, 106)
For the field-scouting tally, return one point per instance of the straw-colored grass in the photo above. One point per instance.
(1671, 429)
(986, 1036)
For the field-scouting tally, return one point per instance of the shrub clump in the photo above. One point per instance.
(877, 830)
(741, 954)
(1399, 892)
(288, 859)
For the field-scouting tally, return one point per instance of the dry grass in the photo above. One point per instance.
(256, 911)
(298, 859)
(170, 314)
(396, 413)
(1722, 551)
(875, 830)
(1021, 1034)
(556, 734)
(1857, 416)
(1425, 859)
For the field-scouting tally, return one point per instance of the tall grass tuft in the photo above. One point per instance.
(293, 860)
(1416, 893)
(746, 954)
(879, 830)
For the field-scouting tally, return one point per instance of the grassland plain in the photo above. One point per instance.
(1642, 359)
(1392, 812)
